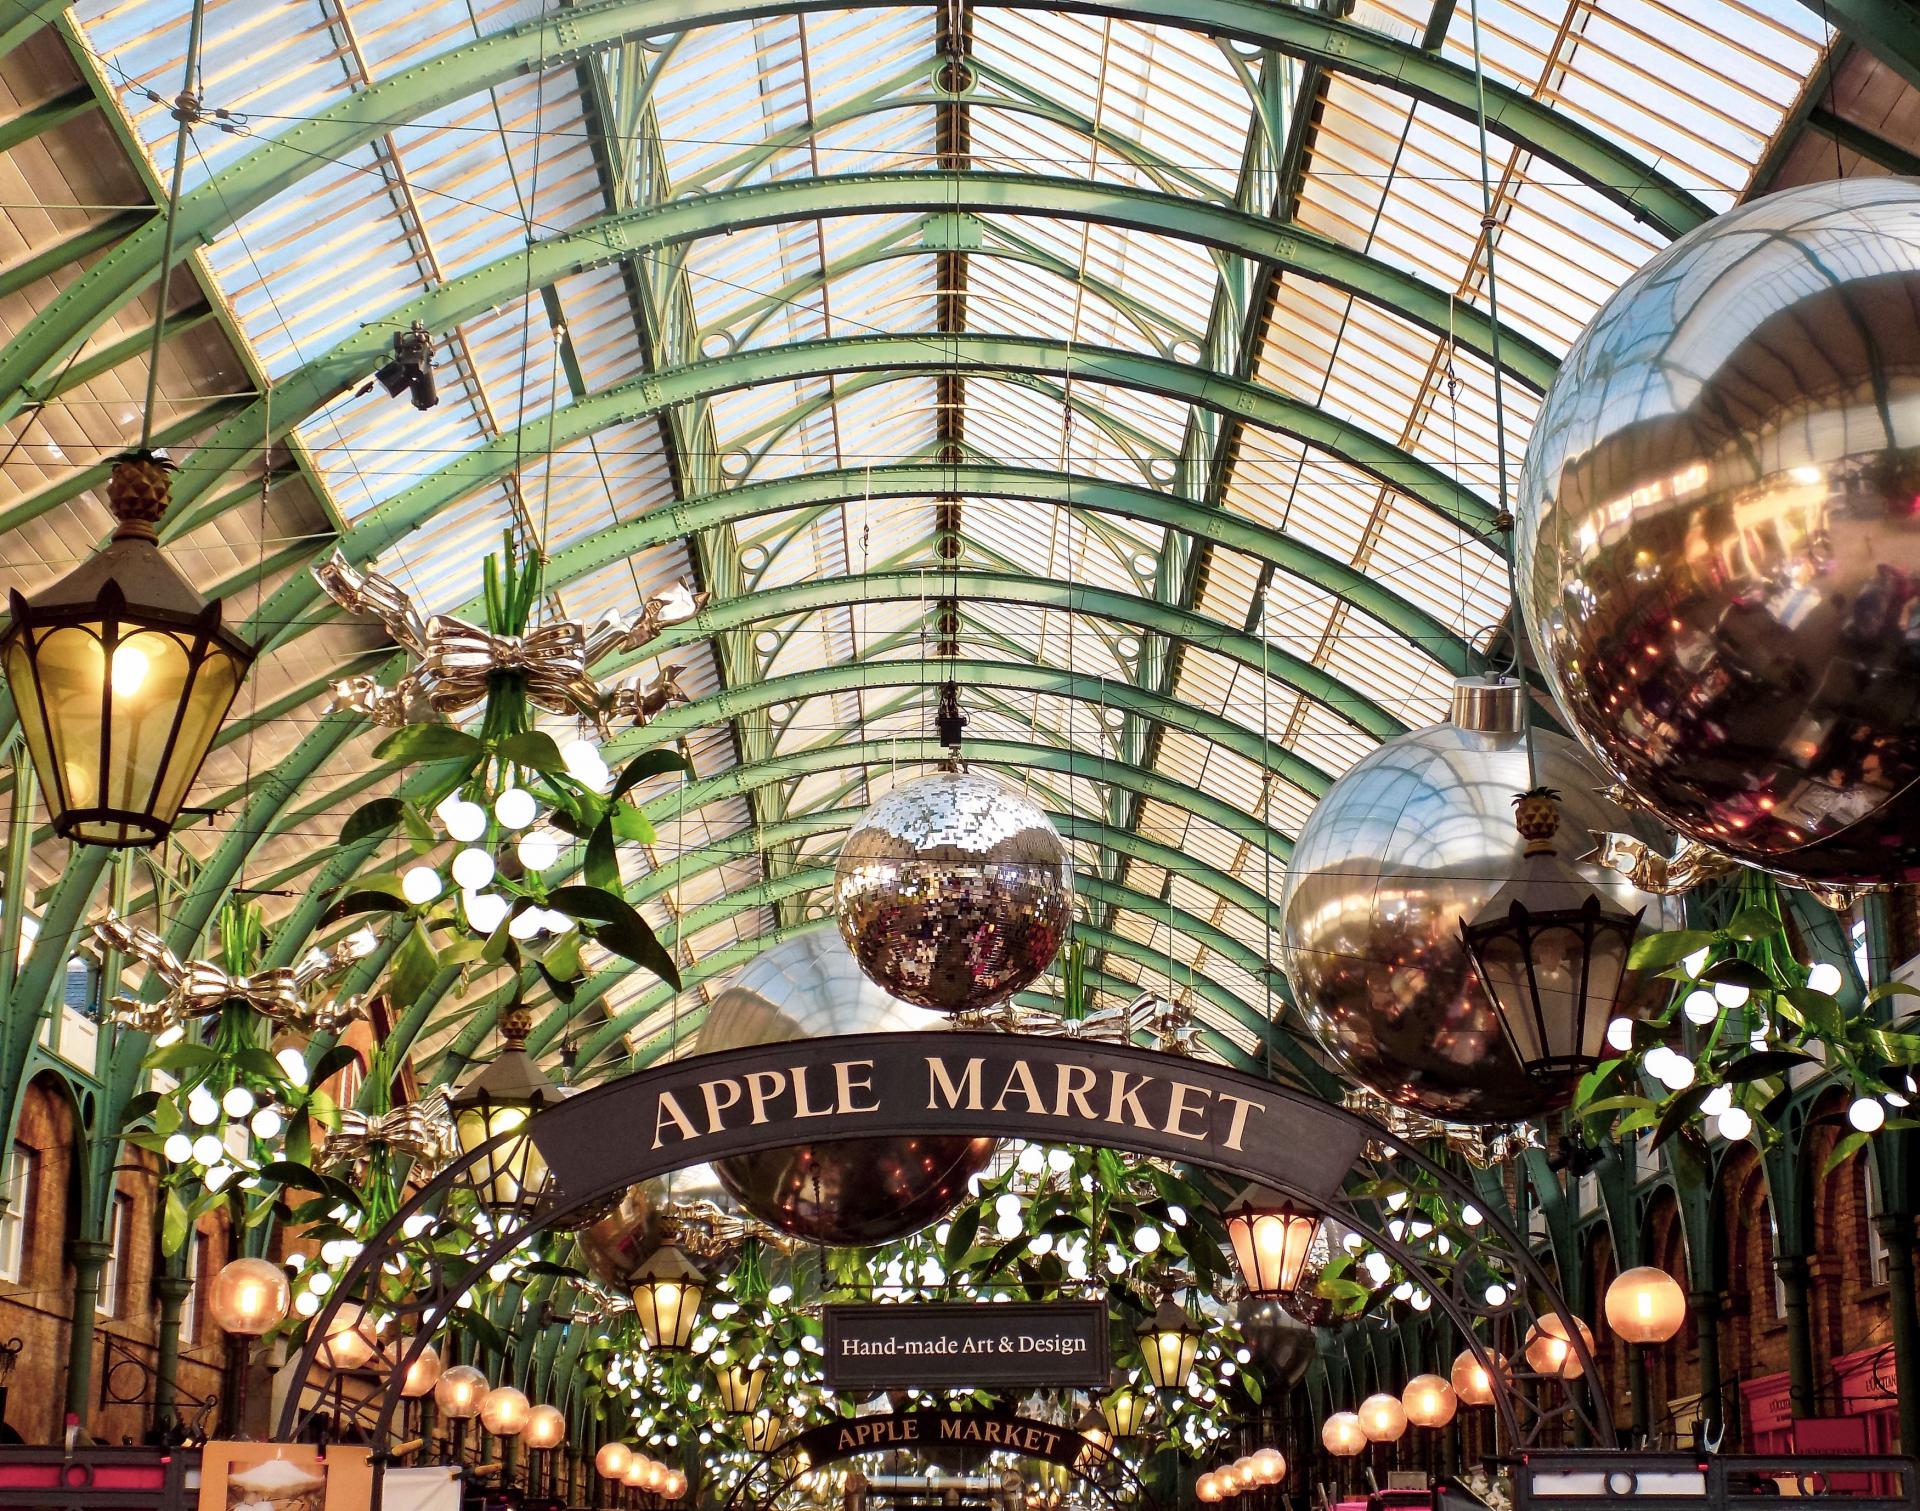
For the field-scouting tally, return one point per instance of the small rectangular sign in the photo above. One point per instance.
(963, 1345)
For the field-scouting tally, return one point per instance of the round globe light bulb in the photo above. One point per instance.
(515, 808)
(423, 1374)
(1207, 1488)
(546, 1427)
(1734, 1124)
(485, 910)
(420, 885)
(1550, 1352)
(1620, 1034)
(178, 1149)
(267, 1123)
(201, 1107)
(208, 1150)
(538, 849)
(612, 1460)
(526, 923)
(238, 1102)
(504, 1412)
(347, 1344)
(249, 1297)
(1429, 1401)
(1700, 1008)
(656, 1476)
(459, 1392)
(1269, 1466)
(1867, 1114)
(1645, 1305)
(465, 821)
(1716, 1101)
(1678, 1073)
(1472, 1380)
(473, 869)
(1824, 977)
(676, 1485)
(1382, 1418)
(1342, 1436)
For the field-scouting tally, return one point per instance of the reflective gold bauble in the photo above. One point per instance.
(423, 1374)
(845, 1193)
(612, 1460)
(1342, 1436)
(1429, 1401)
(954, 892)
(1646, 1305)
(1718, 532)
(1408, 845)
(248, 1297)
(616, 1245)
(1382, 1418)
(1549, 1352)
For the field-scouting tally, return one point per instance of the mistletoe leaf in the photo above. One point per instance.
(1738, 973)
(1843, 1151)
(648, 763)
(1655, 952)
(1765, 1062)
(1682, 1107)
(412, 968)
(430, 742)
(536, 750)
(175, 1223)
(1752, 923)
(372, 820)
(601, 866)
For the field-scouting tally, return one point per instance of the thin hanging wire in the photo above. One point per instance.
(186, 110)
(1489, 226)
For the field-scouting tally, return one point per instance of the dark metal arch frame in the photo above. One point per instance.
(1280, 1167)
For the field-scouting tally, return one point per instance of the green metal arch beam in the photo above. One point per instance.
(645, 231)
(554, 41)
(996, 587)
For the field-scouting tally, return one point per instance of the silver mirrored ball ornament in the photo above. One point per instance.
(954, 892)
(846, 1193)
(1409, 844)
(1718, 533)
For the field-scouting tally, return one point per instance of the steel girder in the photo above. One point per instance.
(639, 232)
(554, 41)
(1889, 29)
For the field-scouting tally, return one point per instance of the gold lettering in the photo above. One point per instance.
(843, 1080)
(1237, 1125)
(762, 1085)
(802, 1108)
(941, 1085)
(667, 1108)
(1074, 1083)
(1127, 1098)
(848, 1440)
(710, 1091)
(1020, 1079)
(1179, 1108)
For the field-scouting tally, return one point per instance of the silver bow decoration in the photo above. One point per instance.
(422, 1130)
(1171, 1024)
(200, 988)
(1693, 864)
(1479, 1146)
(458, 660)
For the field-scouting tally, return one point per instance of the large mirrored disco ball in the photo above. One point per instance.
(1719, 533)
(851, 1192)
(617, 1244)
(954, 892)
(1405, 847)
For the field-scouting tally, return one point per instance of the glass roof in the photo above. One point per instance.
(1106, 383)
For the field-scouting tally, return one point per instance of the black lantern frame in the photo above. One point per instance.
(1169, 1345)
(667, 1292)
(490, 1117)
(1273, 1243)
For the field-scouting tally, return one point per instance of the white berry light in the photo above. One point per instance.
(1701, 1008)
(1824, 977)
(515, 808)
(420, 885)
(1620, 1034)
(538, 849)
(1734, 1124)
(1866, 1114)
(473, 869)
(465, 821)
(485, 910)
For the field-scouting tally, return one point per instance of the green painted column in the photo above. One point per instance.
(172, 1290)
(1795, 1280)
(1706, 1316)
(1897, 1231)
(89, 1257)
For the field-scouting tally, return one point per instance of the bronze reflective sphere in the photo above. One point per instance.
(954, 892)
(618, 1243)
(852, 1192)
(1719, 533)
(1408, 844)
(1278, 1339)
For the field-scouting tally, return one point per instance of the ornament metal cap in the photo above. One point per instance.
(1489, 705)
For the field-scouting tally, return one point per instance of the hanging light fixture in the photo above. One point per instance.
(1169, 1341)
(1551, 952)
(1646, 1305)
(121, 674)
(1272, 1242)
(1125, 1410)
(501, 1099)
(667, 1290)
(740, 1386)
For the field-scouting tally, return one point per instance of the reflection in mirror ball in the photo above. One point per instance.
(1279, 1340)
(954, 892)
(850, 1192)
(616, 1245)
(1410, 843)
(1719, 532)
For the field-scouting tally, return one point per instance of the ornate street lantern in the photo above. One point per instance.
(1169, 1340)
(761, 1431)
(1093, 1427)
(121, 674)
(1272, 1242)
(1646, 1305)
(1550, 1352)
(740, 1386)
(1551, 952)
(503, 1097)
(423, 1374)
(1472, 1380)
(667, 1290)
(546, 1427)
(1207, 1488)
(1269, 1466)
(1126, 1412)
